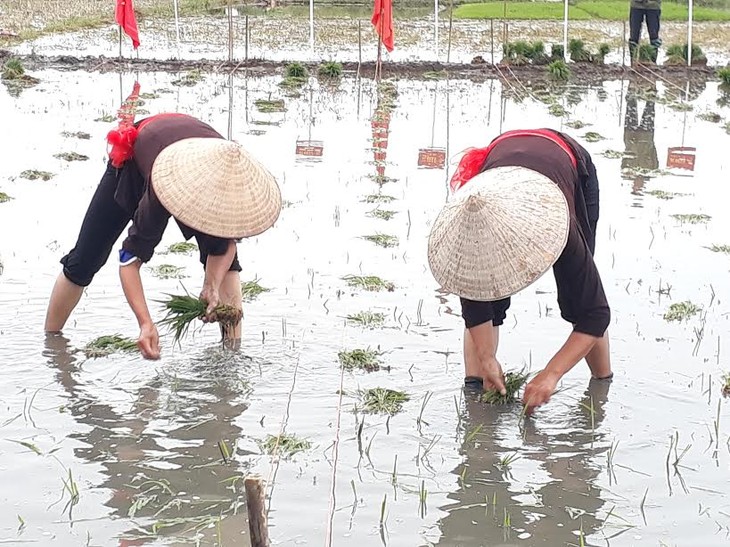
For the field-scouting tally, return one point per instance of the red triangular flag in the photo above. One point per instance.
(383, 22)
(127, 20)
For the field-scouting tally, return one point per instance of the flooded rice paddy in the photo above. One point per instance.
(116, 450)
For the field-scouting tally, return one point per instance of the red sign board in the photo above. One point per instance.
(310, 149)
(681, 157)
(432, 158)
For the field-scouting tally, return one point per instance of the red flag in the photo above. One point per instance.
(122, 138)
(383, 22)
(127, 20)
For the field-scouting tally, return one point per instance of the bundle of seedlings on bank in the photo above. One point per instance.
(513, 382)
(182, 310)
(360, 359)
(106, 345)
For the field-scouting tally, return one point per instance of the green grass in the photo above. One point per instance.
(34, 174)
(681, 311)
(286, 445)
(182, 248)
(609, 10)
(381, 400)
(371, 283)
(513, 382)
(106, 345)
(251, 290)
(692, 218)
(360, 359)
(367, 319)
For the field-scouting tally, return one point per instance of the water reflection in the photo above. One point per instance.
(492, 508)
(162, 457)
(640, 160)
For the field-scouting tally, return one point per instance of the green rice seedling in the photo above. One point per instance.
(148, 96)
(592, 136)
(557, 52)
(712, 117)
(513, 382)
(645, 53)
(692, 218)
(603, 50)
(382, 214)
(330, 69)
(270, 105)
(725, 384)
(727, 128)
(661, 194)
(71, 156)
(4, 197)
(724, 75)
(435, 75)
(360, 359)
(556, 109)
(725, 249)
(681, 311)
(251, 290)
(382, 240)
(677, 54)
(558, 70)
(168, 271)
(577, 124)
(367, 319)
(13, 69)
(106, 118)
(578, 52)
(182, 248)
(612, 154)
(505, 462)
(371, 283)
(381, 400)
(292, 82)
(378, 198)
(295, 70)
(106, 345)
(189, 79)
(286, 445)
(76, 135)
(182, 310)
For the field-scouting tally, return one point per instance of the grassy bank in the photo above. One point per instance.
(607, 10)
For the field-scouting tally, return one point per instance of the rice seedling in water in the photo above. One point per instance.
(712, 117)
(369, 283)
(106, 118)
(70, 156)
(13, 70)
(592, 136)
(295, 70)
(382, 214)
(378, 198)
(726, 384)
(612, 154)
(578, 52)
(603, 50)
(77, 135)
(558, 70)
(725, 249)
(557, 110)
(681, 311)
(435, 75)
(106, 345)
(251, 290)
(168, 271)
(727, 128)
(677, 54)
(266, 106)
(286, 445)
(4, 197)
(182, 310)
(330, 69)
(382, 240)
(34, 174)
(513, 382)
(360, 359)
(724, 75)
(367, 319)
(692, 218)
(182, 248)
(661, 194)
(577, 124)
(381, 400)
(189, 79)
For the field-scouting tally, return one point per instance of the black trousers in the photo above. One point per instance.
(637, 16)
(104, 222)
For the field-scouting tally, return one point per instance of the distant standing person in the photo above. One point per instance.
(651, 11)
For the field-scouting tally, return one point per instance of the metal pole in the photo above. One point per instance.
(565, 32)
(120, 42)
(689, 34)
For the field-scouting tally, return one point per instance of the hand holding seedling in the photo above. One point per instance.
(149, 341)
(492, 375)
(539, 390)
(210, 296)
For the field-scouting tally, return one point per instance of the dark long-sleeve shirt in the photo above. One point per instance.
(136, 195)
(581, 297)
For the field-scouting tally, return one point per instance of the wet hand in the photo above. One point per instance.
(149, 342)
(210, 296)
(539, 390)
(492, 375)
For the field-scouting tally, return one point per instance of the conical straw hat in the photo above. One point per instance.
(499, 234)
(216, 187)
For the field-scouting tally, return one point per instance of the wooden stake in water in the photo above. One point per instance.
(247, 36)
(689, 34)
(359, 45)
(120, 43)
(491, 32)
(230, 30)
(623, 51)
(256, 503)
(451, 22)
(177, 28)
(436, 28)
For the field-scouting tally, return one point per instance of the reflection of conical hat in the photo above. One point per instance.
(500, 232)
(216, 187)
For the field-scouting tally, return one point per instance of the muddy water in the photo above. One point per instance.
(141, 440)
(287, 38)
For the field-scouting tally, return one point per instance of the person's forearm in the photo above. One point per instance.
(576, 347)
(217, 266)
(484, 340)
(133, 291)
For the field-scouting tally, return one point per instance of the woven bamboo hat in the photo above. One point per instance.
(216, 187)
(498, 234)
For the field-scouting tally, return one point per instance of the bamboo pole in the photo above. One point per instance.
(359, 45)
(247, 37)
(689, 33)
(451, 22)
(256, 503)
(230, 30)
(491, 32)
